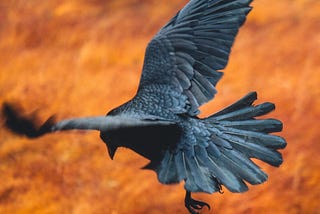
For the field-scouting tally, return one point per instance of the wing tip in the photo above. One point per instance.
(26, 125)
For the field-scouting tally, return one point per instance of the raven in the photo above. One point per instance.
(181, 69)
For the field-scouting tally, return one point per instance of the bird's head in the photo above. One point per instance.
(112, 150)
(111, 145)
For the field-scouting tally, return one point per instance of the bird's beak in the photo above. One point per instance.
(112, 150)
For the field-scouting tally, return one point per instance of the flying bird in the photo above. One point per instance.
(182, 66)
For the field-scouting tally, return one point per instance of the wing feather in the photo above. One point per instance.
(192, 47)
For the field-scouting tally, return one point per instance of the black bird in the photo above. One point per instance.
(180, 72)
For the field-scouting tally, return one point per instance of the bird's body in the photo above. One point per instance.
(181, 70)
(185, 145)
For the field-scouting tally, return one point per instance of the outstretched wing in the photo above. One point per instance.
(186, 54)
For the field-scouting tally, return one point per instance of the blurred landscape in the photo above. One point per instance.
(79, 58)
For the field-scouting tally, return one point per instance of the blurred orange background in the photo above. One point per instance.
(78, 58)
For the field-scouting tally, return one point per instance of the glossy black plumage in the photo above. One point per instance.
(180, 72)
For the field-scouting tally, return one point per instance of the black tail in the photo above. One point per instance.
(250, 136)
(224, 145)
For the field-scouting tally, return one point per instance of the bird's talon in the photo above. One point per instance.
(194, 205)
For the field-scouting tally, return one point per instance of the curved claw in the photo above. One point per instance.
(194, 205)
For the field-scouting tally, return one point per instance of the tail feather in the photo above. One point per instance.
(243, 167)
(221, 146)
(225, 175)
(214, 150)
(253, 150)
(218, 141)
(219, 171)
(267, 140)
(247, 112)
(264, 126)
(180, 165)
(200, 176)
(242, 103)
(169, 173)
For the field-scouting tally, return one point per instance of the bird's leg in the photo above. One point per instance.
(193, 205)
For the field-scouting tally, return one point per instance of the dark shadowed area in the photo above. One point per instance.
(78, 58)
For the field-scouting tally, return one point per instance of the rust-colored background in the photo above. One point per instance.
(84, 57)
